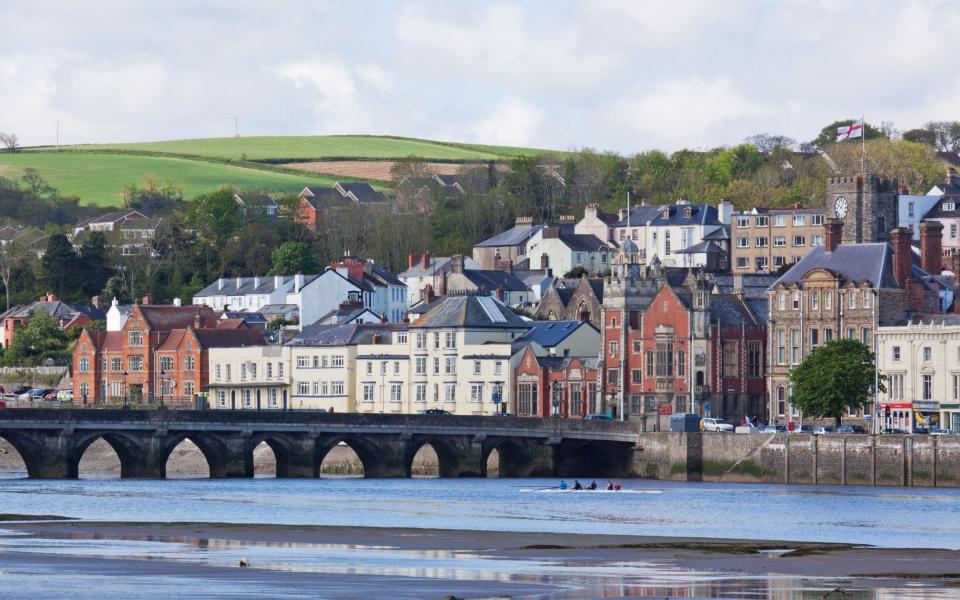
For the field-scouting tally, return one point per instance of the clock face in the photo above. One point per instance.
(840, 208)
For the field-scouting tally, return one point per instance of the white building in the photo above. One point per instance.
(557, 247)
(682, 226)
(250, 377)
(913, 209)
(426, 270)
(921, 360)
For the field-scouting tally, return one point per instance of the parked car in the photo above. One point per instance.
(51, 395)
(823, 430)
(39, 393)
(803, 429)
(773, 429)
(714, 424)
(598, 417)
(895, 431)
(19, 389)
(434, 411)
(65, 395)
(848, 429)
(940, 432)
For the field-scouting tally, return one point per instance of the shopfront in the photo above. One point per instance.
(896, 415)
(926, 416)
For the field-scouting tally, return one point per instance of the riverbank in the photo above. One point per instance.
(342, 562)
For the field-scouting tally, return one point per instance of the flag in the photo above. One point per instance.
(854, 130)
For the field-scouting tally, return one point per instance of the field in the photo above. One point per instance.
(296, 148)
(99, 178)
(368, 170)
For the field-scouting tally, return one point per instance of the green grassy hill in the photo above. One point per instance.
(100, 178)
(292, 148)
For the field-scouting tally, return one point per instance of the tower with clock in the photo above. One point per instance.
(867, 205)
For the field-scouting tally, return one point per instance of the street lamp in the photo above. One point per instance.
(162, 374)
(125, 387)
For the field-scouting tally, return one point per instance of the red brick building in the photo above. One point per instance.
(548, 385)
(160, 354)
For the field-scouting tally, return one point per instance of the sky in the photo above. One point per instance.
(625, 76)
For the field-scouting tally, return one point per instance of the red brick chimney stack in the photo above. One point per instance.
(412, 260)
(428, 294)
(931, 248)
(148, 299)
(442, 288)
(500, 293)
(902, 254)
(425, 260)
(833, 234)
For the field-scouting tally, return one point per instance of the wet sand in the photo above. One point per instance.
(864, 568)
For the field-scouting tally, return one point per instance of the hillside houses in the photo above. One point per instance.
(315, 201)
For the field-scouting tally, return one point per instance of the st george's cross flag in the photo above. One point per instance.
(847, 132)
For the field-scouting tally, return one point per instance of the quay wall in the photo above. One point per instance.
(887, 460)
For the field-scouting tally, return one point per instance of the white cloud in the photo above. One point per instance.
(513, 122)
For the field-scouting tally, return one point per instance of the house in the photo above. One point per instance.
(921, 359)
(388, 294)
(846, 289)
(508, 248)
(425, 270)
(597, 223)
(947, 212)
(572, 300)
(256, 204)
(160, 354)
(632, 225)
(557, 247)
(680, 227)
(499, 284)
(348, 313)
(567, 387)
(29, 238)
(767, 240)
(560, 338)
(314, 202)
(254, 320)
(68, 316)
(108, 222)
(255, 377)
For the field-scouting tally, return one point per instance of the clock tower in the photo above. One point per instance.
(866, 204)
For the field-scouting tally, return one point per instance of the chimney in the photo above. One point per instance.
(428, 294)
(256, 282)
(621, 214)
(456, 263)
(177, 302)
(425, 261)
(902, 254)
(500, 293)
(525, 221)
(277, 281)
(377, 338)
(931, 249)
(239, 282)
(904, 190)
(951, 176)
(148, 299)
(412, 259)
(220, 283)
(551, 233)
(297, 282)
(442, 288)
(198, 321)
(725, 210)
(832, 234)
(95, 301)
(590, 211)
(567, 219)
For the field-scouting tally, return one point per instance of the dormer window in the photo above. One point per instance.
(665, 213)
(687, 212)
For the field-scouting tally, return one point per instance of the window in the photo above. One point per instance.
(395, 392)
(815, 299)
(336, 388)
(795, 299)
(613, 321)
(816, 240)
(896, 386)
(436, 366)
(816, 220)
(614, 346)
(421, 340)
(743, 262)
(84, 390)
(323, 361)
(866, 298)
(828, 300)
(269, 370)
(953, 231)
(84, 364)
(273, 398)
(928, 387)
(218, 373)
(814, 338)
(187, 389)
(635, 376)
(754, 359)
(955, 387)
(436, 340)
(222, 399)
(450, 365)
(280, 370)
(420, 365)
(762, 221)
(303, 362)
(910, 209)
(396, 367)
(612, 377)
(743, 222)
(649, 362)
(760, 241)
(316, 362)
(136, 338)
(927, 354)
(779, 221)
(799, 220)
(782, 301)
(781, 347)
(799, 240)
(189, 362)
(450, 392)
(316, 388)
(166, 363)
(827, 334)
(778, 261)
(367, 392)
(476, 392)
(303, 388)
(450, 339)
(851, 299)
(401, 335)
(576, 397)
(476, 367)
(337, 360)
(135, 363)
(743, 242)
(420, 392)
(681, 363)
(779, 241)
(229, 369)
(852, 333)
(666, 243)
(865, 335)
(383, 367)
(498, 367)
(664, 359)
(369, 367)
(731, 362)
(895, 353)
(527, 401)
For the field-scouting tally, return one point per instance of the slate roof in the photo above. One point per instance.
(490, 280)
(469, 311)
(516, 235)
(380, 275)
(562, 363)
(340, 335)
(853, 262)
(550, 333)
(760, 309)
(229, 338)
(723, 233)
(57, 309)
(704, 247)
(167, 318)
(320, 198)
(938, 210)
(579, 242)
(363, 192)
(255, 199)
(271, 310)
(250, 318)
(345, 315)
(754, 285)
(701, 214)
(640, 216)
(248, 285)
(730, 310)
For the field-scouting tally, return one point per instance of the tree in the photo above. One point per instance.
(828, 135)
(293, 257)
(94, 262)
(10, 253)
(576, 273)
(9, 141)
(920, 136)
(41, 338)
(61, 266)
(835, 377)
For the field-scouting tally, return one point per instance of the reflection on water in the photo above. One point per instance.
(531, 578)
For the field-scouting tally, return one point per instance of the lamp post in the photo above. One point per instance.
(162, 374)
(125, 388)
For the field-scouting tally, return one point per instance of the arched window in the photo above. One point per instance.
(781, 405)
(815, 299)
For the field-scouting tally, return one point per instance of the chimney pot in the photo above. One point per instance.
(931, 246)
(902, 254)
(456, 263)
(442, 288)
(177, 302)
(148, 299)
(220, 283)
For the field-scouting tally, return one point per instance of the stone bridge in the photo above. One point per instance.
(52, 442)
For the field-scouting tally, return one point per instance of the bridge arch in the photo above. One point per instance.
(448, 456)
(372, 457)
(514, 458)
(22, 448)
(128, 449)
(214, 451)
(281, 446)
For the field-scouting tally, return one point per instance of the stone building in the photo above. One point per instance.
(848, 290)
(865, 204)
(572, 300)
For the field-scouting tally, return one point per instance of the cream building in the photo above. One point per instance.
(250, 377)
(921, 360)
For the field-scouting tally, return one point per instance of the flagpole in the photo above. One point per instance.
(863, 145)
